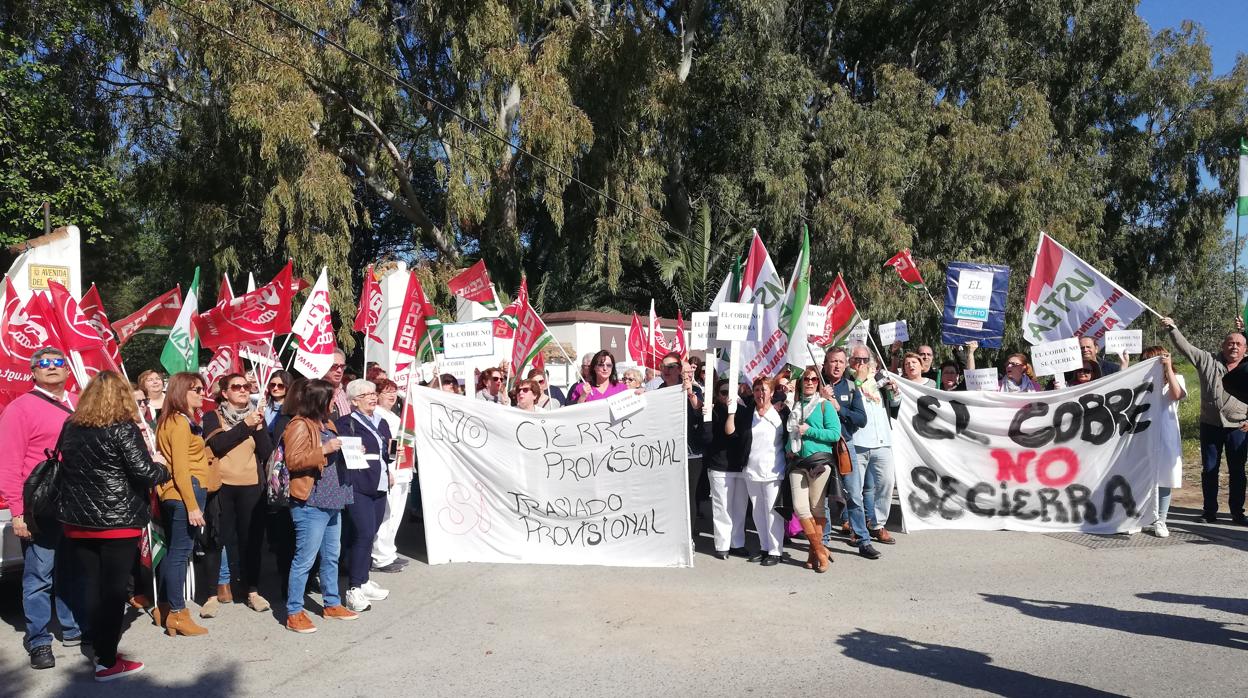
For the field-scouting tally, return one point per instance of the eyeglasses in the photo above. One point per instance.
(495, 378)
(1013, 364)
(631, 379)
(604, 364)
(357, 397)
(198, 389)
(542, 382)
(50, 363)
(238, 387)
(337, 367)
(277, 385)
(810, 379)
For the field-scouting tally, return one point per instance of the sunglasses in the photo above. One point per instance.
(50, 363)
(237, 387)
(604, 364)
(524, 390)
(1014, 365)
(495, 378)
(810, 379)
(859, 360)
(667, 366)
(631, 379)
(198, 389)
(277, 385)
(337, 367)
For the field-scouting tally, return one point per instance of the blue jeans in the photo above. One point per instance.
(39, 557)
(180, 537)
(1163, 503)
(852, 485)
(316, 530)
(1213, 439)
(877, 488)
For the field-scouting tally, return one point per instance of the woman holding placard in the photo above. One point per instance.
(727, 484)
(814, 429)
(1170, 465)
(759, 447)
(370, 481)
(603, 383)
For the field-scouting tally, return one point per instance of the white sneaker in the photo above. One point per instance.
(373, 592)
(1160, 530)
(357, 600)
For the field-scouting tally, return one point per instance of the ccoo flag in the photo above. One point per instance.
(1067, 297)
(906, 269)
(843, 315)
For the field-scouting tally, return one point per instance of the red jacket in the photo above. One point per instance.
(29, 426)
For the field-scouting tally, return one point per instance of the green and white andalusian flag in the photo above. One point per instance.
(1241, 206)
(181, 352)
(793, 317)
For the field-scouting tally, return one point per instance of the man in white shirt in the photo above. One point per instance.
(873, 444)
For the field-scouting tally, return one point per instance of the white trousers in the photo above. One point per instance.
(384, 550)
(728, 502)
(769, 524)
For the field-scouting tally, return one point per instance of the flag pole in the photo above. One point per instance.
(1235, 260)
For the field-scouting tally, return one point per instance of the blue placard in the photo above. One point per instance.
(975, 297)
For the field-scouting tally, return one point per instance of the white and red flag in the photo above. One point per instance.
(371, 303)
(1067, 297)
(157, 317)
(315, 331)
(531, 334)
(473, 284)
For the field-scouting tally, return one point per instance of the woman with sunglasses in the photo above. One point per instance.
(632, 379)
(1018, 377)
(603, 383)
(758, 444)
(274, 395)
(184, 499)
(814, 428)
(526, 395)
(239, 439)
(577, 392)
(728, 496)
(1088, 372)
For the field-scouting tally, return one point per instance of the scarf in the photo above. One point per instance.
(870, 389)
(231, 415)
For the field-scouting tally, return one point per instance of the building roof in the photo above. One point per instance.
(568, 317)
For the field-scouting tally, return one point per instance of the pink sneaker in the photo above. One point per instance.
(123, 667)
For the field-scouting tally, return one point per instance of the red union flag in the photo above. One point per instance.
(842, 315)
(418, 328)
(26, 329)
(93, 308)
(531, 333)
(473, 284)
(371, 302)
(315, 330)
(505, 323)
(637, 341)
(906, 269)
(1067, 297)
(250, 317)
(224, 361)
(157, 317)
(76, 333)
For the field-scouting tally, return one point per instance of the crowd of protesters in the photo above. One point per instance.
(807, 455)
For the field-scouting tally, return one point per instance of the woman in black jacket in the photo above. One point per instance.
(369, 485)
(104, 504)
(728, 495)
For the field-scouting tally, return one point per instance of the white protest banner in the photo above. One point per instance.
(1051, 358)
(982, 379)
(816, 320)
(892, 332)
(569, 487)
(463, 340)
(736, 322)
(700, 331)
(1086, 458)
(1124, 342)
(860, 332)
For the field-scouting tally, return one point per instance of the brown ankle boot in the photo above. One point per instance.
(160, 614)
(225, 594)
(180, 623)
(815, 536)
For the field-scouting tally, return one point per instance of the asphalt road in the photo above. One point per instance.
(941, 614)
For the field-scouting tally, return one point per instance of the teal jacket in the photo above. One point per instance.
(824, 426)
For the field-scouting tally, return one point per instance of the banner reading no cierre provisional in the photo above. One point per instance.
(570, 487)
(1085, 458)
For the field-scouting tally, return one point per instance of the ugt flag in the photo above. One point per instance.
(1067, 297)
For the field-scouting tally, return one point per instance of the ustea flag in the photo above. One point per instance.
(1066, 297)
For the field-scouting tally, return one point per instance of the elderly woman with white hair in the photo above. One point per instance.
(370, 486)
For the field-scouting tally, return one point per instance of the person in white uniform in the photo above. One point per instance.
(1170, 464)
(760, 436)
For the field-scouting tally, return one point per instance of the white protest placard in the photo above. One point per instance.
(568, 487)
(1051, 358)
(893, 332)
(1044, 462)
(464, 340)
(1124, 342)
(985, 379)
(708, 382)
(699, 331)
(461, 369)
(625, 404)
(974, 295)
(816, 319)
(353, 452)
(736, 322)
(860, 332)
